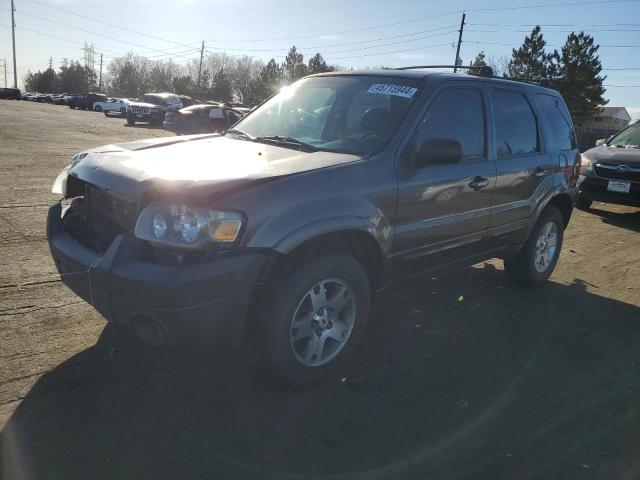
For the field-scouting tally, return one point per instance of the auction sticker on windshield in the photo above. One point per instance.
(389, 89)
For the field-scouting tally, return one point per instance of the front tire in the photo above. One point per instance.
(130, 121)
(582, 203)
(539, 256)
(316, 310)
(97, 108)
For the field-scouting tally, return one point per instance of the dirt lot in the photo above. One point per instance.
(460, 376)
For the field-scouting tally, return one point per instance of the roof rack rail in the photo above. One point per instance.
(482, 71)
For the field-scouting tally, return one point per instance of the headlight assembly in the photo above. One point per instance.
(188, 227)
(60, 183)
(586, 165)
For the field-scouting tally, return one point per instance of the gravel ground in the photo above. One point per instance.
(460, 375)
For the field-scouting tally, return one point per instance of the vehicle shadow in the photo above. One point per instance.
(628, 220)
(147, 126)
(462, 376)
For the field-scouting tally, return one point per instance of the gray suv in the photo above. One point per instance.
(282, 230)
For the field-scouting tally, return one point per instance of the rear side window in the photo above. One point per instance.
(557, 120)
(457, 114)
(516, 129)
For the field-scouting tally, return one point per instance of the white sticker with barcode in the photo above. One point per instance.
(389, 89)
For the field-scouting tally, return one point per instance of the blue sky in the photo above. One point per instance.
(349, 33)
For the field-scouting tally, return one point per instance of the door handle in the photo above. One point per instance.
(539, 172)
(478, 183)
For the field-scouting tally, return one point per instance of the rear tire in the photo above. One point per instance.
(537, 259)
(315, 312)
(582, 203)
(97, 108)
(130, 122)
(123, 112)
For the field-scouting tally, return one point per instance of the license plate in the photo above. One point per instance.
(620, 187)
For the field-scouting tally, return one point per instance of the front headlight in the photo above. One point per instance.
(189, 227)
(59, 186)
(586, 165)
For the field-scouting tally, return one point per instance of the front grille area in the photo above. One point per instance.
(98, 217)
(139, 110)
(629, 173)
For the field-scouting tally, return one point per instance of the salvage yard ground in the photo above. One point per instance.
(460, 376)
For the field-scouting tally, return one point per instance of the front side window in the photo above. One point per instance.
(457, 114)
(558, 120)
(352, 114)
(516, 129)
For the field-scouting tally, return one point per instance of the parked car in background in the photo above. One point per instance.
(10, 93)
(85, 101)
(610, 172)
(203, 118)
(44, 98)
(188, 101)
(151, 108)
(112, 106)
(29, 96)
(60, 99)
(277, 234)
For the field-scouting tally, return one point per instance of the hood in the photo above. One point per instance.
(613, 155)
(200, 165)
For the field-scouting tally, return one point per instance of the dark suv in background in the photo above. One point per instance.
(282, 230)
(85, 101)
(610, 172)
(152, 107)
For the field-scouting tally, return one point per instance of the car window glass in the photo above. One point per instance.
(516, 130)
(457, 114)
(351, 114)
(557, 120)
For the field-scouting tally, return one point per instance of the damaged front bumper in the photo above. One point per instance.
(203, 303)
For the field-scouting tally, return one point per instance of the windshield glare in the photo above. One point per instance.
(350, 114)
(629, 137)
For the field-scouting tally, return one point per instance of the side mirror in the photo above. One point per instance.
(600, 142)
(438, 151)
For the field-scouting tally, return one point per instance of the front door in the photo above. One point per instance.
(444, 208)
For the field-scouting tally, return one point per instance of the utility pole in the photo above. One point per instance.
(100, 81)
(458, 59)
(199, 68)
(13, 38)
(5, 72)
(50, 63)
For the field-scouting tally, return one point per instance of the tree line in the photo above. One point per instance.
(575, 71)
(222, 77)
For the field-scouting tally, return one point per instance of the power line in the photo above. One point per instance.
(86, 17)
(548, 44)
(394, 51)
(342, 44)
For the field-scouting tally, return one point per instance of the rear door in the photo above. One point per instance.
(561, 138)
(524, 166)
(444, 209)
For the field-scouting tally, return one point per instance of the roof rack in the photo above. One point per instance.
(482, 71)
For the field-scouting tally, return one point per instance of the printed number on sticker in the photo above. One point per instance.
(388, 89)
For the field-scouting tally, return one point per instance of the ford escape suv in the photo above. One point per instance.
(282, 229)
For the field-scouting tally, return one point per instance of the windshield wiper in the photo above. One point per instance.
(240, 133)
(287, 141)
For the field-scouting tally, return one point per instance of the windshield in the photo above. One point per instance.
(152, 99)
(350, 114)
(629, 137)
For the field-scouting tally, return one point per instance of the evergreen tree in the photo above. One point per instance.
(317, 64)
(294, 65)
(530, 60)
(221, 88)
(479, 61)
(580, 82)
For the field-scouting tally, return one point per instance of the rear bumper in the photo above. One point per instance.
(595, 189)
(202, 303)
